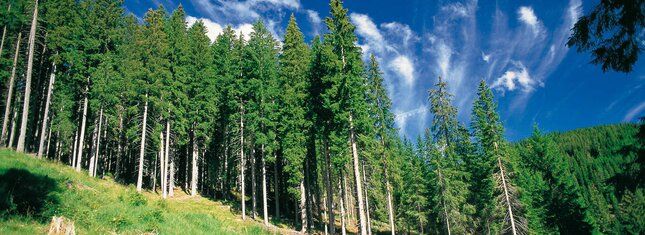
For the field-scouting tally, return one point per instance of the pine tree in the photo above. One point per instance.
(296, 126)
(488, 130)
(383, 119)
(346, 94)
(261, 65)
(449, 177)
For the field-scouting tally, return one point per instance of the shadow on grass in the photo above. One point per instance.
(23, 193)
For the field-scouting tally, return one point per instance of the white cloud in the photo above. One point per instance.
(518, 75)
(527, 16)
(485, 57)
(456, 9)
(214, 29)
(314, 21)
(394, 46)
(244, 29)
(366, 28)
(243, 13)
(405, 68)
(314, 17)
(633, 112)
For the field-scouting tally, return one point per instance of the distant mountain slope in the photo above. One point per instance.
(594, 178)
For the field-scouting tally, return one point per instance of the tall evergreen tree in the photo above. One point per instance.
(261, 66)
(449, 178)
(296, 125)
(504, 208)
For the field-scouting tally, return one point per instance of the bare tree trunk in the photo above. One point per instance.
(7, 108)
(98, 145)
(30, 64)
(242, 160)
(143, 145)
(79, 156)
(303, 209)
(390, 208)
(357, 177)
(348, 207)
(46, 114)
(506, 193)
(254, 196)
(276, 185)
(330, 195)
(193, 182)
(49, 139)
(264, 188)
(4, 31)
(164, 166)
(73, 163)
(154, 173)
(171, 167)
(367, 202)
(325, 213)
(13, 127)
(90, 169)
(343, 221)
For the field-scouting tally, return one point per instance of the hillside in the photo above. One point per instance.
(585, 180)
(33, 190)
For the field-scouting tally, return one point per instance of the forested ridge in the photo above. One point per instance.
(293, 132)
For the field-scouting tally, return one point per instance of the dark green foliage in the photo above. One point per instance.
(301, 107)
(612, 32)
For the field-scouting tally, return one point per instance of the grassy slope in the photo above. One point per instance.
(101, 206)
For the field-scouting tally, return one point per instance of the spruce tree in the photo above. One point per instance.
(261, 66)
(449, 177)
(504, 209)
(295, 126)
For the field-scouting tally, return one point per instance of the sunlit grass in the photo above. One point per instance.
(101, 206)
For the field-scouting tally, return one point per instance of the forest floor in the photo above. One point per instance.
(32, 191)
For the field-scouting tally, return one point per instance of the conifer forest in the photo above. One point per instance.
(292, 132)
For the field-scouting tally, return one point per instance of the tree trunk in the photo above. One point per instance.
(357, 177)
(30, 64)
(13, 127)
(193, 180)
(264, 188)
(330, 197)
(164, 166)
(343, 221)
(7, 108)
(276, 182)
(90, 169)
(98, 145)
(79, 156)
(143, 145)
(254, 196)
(390, 208)
(242, 160)
(46, 114)
(4, 31)
(367, 202)
(325, 213)
(169, 164)
(73, 163)
(506, 194)
(303, 209)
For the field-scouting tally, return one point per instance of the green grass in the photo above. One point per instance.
(34, 190)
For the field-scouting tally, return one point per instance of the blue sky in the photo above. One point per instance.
(517, 47)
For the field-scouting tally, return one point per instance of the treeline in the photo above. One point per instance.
(292, 131)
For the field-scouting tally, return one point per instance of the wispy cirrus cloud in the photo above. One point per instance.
(634, 112)
(394, 46)
(242, 14)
